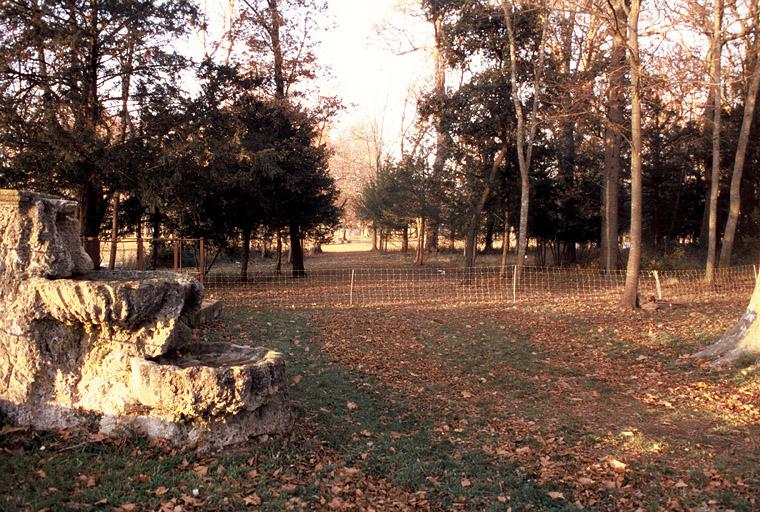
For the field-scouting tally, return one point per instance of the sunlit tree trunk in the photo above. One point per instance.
(525, 137)
(613, 141)
(743, 339)
(715, 78)
(420, 252)
(504, 246)
(630, 298)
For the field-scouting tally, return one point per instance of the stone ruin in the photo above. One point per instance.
(114, 349)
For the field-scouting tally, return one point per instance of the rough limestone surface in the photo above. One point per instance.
(116, 348)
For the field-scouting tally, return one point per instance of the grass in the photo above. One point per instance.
(479, 408)
(383, 436)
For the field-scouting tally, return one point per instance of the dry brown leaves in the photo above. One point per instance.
(607, 376)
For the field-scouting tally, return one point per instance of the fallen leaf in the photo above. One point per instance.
(297, 378)
(616, 465)
(351, 406)
(466, 394)
(556, 495)
(585, 481)
(466, 482)
(681, 484)
(253, 500)
(160, 491)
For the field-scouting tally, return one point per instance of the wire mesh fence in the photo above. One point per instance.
(385, 286)
(372, 286)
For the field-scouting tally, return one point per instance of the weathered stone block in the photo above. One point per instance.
(74, 343)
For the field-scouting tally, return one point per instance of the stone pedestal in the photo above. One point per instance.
(117, 346)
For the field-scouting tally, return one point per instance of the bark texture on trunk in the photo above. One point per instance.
(630, 298)
(504, 246)
(743, 339)
(419, 258)
(729, 233)
(613, 141)
(296, 251)
(715, 78)
(92, 206)
(525, 134)
(470, 243)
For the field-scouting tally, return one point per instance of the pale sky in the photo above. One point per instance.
(368, 73)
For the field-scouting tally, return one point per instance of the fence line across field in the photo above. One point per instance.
(379, 286)
(408, 285)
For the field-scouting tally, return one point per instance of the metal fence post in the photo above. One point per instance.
(657, 284)
(202, 263)
(351, 290)
(514, 284)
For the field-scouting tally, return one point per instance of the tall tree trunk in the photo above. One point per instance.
(488, 237)
(470, 243)
(405, 239)
(155, 220)
(715, 78)
(524, 140)
(374, 237)
(92, 208)
(630, 298)
(729, 233)
(140, 248)
(431, 239)
(246, 256)
(278, 264)
(613, 141)
(277, 57)
(114, 232)
(504, 246)
(92, 202)
(419, 258)
(296, 251)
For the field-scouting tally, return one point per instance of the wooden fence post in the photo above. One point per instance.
(657, 284)
(351, 290)
(514, 284)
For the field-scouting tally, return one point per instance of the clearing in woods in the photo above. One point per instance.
(556, 405)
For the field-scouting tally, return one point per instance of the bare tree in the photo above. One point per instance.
(613, 137)
(753, 60)
(526, 131)
(630, 298)
(715, 79)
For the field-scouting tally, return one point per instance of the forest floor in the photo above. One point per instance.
(546, 406)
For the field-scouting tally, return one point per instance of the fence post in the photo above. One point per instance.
(176, 254)
(351, 290)
(514, 284)
(202, 263)
(657, 284)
